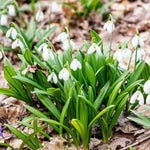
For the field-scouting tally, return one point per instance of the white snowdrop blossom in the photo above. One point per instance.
(148, 99)
(17, 43)
(94, 47)
(12, 31)
(42, 47)
(11, 10)
(47, 54)
(137, 96)
(137, 40)
(109, 26)
(146, 87)
(62, 37)
(3, 20)
(126, 53)
(118, 55)
(64, 74)
(75, 64)
(1, 55)
(66, 45)
(39, 16)
(52, 76)
(55, 7)
(140, 54)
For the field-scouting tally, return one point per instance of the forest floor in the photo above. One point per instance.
(128, 16)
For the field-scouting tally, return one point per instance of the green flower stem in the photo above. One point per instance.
(110, 43)
(135, 62)
(130, 59)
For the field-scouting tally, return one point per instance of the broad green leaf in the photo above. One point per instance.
(95, 36)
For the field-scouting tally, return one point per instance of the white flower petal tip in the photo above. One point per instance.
(137, 40)
(148, 99)
(62, 37)
(137, 96)
(94, 47)
(109, 26)
(140, 54)
(64, 74)
(3, 20)
(39, 16)
(11, 10)
(11, 32)
(42, 47)
(17, 43)
(118, 55)
(126, 53)
(47, 54)
(146, 87)
(56, 7)
(53, 77)
(75, 64)
(1, 55)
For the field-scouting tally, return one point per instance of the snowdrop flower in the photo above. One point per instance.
(11, 10)
(39, 16)
(140, 54)
(137, 96)
(1, 55)
(42, 47)
(47, 54)
(17, 43)
(137, 40)
(146, 87)
(75, 64)
(66, 45)
(55, 7)
(126, 53)
(1, 131)
(3, 20)
(64, 74)
(94, 47)
(62, 37)
(109, 26)
(11, 32)
(118, 55)
(52, 76)
(148, 99)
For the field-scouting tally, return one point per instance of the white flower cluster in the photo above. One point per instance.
(138, 42)
(94, 47)
(139, 96)
(4, 17)
(120, 54)
(13, 34)
(63, 37)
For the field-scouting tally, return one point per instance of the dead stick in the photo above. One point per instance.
(137, 143)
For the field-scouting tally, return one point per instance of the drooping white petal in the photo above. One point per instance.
(140, 54)
(49, 77)
(42, 47)
(126, 53)
(55, 78)
(8, 33)
(3, 20)
(64, 74)
(39, 16)
(14, 33)
(148, 99)
(137, 96)
(62, 37)
(47, 54)
(137, 40)
(75, 64)
(51, 55)
(94, 47)
(146, 87)
(17, 43)
(109, 26)
(11, 10)
(1, 55)
(118, 55)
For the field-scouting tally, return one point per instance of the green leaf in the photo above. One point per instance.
(95, 36)
(7, 145)
(31, 30)
(28, 57)
(21, 136)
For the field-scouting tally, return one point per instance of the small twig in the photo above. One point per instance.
(137, 143)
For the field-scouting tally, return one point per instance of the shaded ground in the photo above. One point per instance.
(128, 15)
